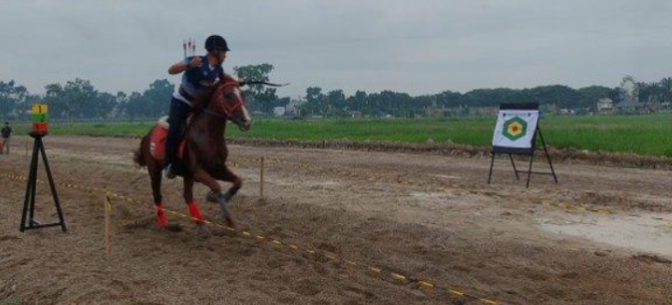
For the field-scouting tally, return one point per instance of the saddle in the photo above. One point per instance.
(157, 140)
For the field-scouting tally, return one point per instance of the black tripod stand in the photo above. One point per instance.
(28, 221)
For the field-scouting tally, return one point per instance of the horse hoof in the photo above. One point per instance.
(212, 197)
(230, 223)
(226, 217)
(203, 231)
(174, 228)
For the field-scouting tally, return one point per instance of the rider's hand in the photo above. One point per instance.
(195, 63)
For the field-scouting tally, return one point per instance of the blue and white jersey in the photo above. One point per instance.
(197, 80)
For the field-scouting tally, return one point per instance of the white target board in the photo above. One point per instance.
(515, 129)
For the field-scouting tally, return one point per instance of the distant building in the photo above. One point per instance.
(442, 111)
(565, 111)
(605, 106)
(630, 107)
(259, 114)
(279, 111)
(549, 108)
(292, 108)
(629, 93)
(483, 111)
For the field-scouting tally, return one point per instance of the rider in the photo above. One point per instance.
(200, 75)
(6, 135)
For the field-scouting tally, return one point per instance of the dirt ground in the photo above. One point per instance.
(602, 235)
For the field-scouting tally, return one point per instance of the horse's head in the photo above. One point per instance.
(228, 102)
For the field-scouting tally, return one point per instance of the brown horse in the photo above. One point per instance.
(203, 152)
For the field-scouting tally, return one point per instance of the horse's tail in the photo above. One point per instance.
(138, 155)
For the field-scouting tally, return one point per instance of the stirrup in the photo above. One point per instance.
(169, 172)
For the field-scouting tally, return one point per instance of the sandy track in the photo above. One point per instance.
(429, 216)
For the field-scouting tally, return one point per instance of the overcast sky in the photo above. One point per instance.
(419, 47)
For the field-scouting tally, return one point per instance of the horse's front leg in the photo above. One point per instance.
(194, 211)
(226, 175)
(223, 199)
(229, 176)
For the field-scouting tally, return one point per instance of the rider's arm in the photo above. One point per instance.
(178, 68)
(186, 64)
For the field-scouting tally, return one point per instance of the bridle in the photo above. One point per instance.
(228, 110)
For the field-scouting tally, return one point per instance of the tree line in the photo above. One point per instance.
(78, 99)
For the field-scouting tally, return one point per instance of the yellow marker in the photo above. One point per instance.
(398, 276)
(246, 234)
(261, 238)
(374, 269)
(426, 284)
(491, 302)
(294, 247)
(456, 292)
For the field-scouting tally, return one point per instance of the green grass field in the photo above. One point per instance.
(644, 135)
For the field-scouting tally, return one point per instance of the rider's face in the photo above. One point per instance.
(216, 57)
(221, 55)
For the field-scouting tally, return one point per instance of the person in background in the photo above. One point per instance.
(6, 135)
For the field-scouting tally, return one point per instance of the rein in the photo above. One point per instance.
(215, 114)
(254, 82)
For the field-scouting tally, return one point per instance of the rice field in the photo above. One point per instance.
(644, 135)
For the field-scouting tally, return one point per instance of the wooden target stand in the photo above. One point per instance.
(513, 124)
(39, 130)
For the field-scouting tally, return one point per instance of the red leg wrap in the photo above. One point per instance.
(161, 212)
(195, 212)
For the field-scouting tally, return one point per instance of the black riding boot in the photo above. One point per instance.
(179, 111)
